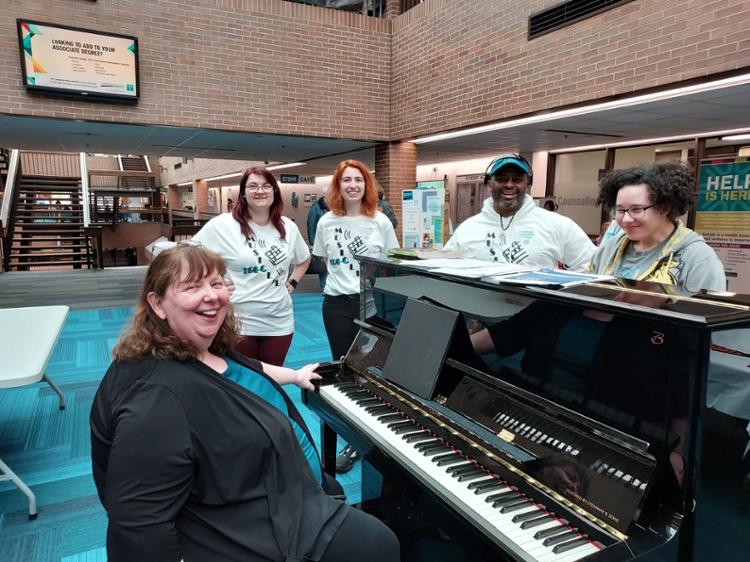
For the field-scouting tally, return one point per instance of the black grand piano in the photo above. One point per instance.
(578, 429)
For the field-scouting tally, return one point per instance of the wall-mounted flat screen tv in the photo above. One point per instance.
(58, 59)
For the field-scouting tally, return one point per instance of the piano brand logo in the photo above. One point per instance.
(596, 508)
(657, 338)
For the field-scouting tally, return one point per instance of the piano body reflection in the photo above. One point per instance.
(577, 436)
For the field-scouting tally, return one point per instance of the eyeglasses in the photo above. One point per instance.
(259, 187)
(635, 212)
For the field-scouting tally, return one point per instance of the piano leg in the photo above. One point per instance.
(328, 446)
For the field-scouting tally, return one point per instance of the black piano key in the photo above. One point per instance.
(528, 516)
(510, 501)
(515, 507)
(399, 423)
(342, 386)
(429, 446)
(390, 417)
(462, 469)
(531, 523)
(570, 545)
(551, 532)
(378, 409)
(501, 495)
(424, 444)
(405, 428)
(365, 401)
(557, 539)
(466, 477)
(442, 460)
(356, 394)
(417, 436)
(480, 487)
(486, 484)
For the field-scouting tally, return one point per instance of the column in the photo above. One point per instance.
(396, 170)
(200, 197)
(392, 8)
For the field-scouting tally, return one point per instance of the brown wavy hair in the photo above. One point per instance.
(336, 201)
(150, 335)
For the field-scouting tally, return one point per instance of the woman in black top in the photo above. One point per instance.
(197, 451)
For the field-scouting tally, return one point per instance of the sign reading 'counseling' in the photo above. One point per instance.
(72, 61)
(723, 218)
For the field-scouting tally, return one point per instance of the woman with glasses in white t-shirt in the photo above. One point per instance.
(259, 247)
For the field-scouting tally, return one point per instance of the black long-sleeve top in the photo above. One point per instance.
(190, 465)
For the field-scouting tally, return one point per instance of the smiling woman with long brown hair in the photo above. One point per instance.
(198, 453)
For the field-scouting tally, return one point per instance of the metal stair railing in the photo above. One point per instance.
(8, 209)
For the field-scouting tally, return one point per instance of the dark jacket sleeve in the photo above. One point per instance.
(149, 475)
(313, 216)
(387, 210)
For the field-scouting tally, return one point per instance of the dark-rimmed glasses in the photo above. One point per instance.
(636, 211)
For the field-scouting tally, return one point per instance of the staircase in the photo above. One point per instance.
(48, 226)
(136, 164)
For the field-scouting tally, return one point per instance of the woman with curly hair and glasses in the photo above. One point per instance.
(198, 452)
(259, 246)
(651, 243)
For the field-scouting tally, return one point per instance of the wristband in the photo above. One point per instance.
(293, 282)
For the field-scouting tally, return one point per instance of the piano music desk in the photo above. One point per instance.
(27, 338)
(481, 304)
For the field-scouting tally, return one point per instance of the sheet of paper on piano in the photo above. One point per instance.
(454, 263)
(549, 278)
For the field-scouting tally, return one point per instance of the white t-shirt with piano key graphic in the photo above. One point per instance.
(340, 238)
(259, 268)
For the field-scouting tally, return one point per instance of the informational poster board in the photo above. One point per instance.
(723, 218)
(470, 194)
(422, 211)
(81, 62)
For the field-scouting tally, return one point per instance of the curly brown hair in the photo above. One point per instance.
(150, 335)
(671, 186)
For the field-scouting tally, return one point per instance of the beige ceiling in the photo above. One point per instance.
(688, 115)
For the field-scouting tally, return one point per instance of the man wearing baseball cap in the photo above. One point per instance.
(511, 228)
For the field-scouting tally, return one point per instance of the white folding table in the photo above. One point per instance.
(27, 338)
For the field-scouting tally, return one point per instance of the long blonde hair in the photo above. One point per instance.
(150, 335)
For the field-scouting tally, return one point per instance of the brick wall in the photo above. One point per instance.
(250, 65)
(281, 67)
(463, 62)
(396, 170)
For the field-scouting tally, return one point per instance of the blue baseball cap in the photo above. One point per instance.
(509, 160)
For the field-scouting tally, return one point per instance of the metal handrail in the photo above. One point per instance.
(85, 190)
(10, 185)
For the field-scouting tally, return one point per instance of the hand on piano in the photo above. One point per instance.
(305, 375)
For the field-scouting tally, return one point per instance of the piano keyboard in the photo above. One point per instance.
(527, 529)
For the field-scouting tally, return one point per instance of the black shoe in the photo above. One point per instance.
(346, 459)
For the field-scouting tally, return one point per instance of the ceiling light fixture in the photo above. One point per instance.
(591, 108)
(224, 177)
(677, 138)
(742, 137)
(183, 184)
(283, 166)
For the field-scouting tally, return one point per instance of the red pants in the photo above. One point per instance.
(268, 349)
